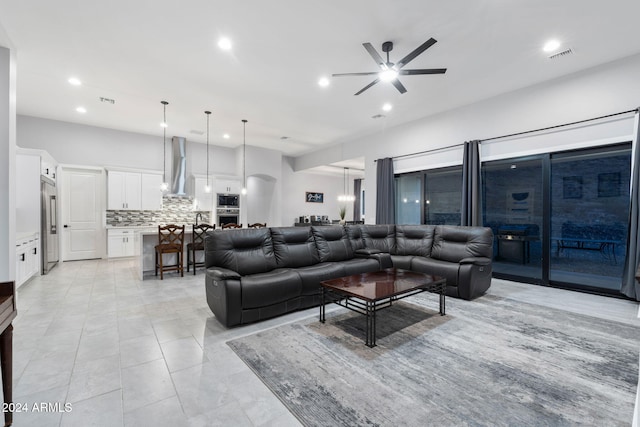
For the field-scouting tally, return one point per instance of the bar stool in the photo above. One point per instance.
(257, 225)
(197, 244)
(170, 241)
(231, 225)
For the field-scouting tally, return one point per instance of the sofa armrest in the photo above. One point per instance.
(220, 273)
(224, 295)
(476, 261)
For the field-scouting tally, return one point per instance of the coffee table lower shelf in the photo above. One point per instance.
(369, 306)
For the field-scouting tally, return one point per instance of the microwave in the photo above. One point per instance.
(228, 200)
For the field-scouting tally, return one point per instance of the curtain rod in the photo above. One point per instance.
(516, 134)
(426, 151)
(559, 126)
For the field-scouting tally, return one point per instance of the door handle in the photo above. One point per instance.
(65, 226)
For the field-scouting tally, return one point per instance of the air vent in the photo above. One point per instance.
(563, 53)
(378, 116)
(109, 100)
(196, 132)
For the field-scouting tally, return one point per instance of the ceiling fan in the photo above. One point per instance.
(389, 71)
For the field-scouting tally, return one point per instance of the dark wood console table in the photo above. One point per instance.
(7, 314)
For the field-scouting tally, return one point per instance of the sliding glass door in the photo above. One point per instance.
(513, 201)
(408, 198)
(560, 218)
(443, 196)
(589, 213)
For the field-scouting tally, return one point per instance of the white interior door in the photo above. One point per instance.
(82, 201)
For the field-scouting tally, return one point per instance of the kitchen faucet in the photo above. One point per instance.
(198, 215)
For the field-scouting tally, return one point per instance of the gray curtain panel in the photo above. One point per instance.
(630, 286)
(357, 189)
(471, 212)
(385, 192)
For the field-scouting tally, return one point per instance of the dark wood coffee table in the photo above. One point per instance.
(369, 292)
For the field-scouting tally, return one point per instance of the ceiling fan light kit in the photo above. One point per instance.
(389, 71)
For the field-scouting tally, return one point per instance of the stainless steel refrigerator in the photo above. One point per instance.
(49, 221)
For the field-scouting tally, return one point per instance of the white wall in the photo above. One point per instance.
(296, 184)
(602, 90)
(7, 158)
(71, 143)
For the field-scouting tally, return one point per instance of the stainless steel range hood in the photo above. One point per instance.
(179, 166)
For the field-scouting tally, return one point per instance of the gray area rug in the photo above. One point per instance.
(488, 362)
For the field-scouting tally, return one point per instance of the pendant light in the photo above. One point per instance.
(346, 197)
(207, 187)
(164, 186)
(244, 157)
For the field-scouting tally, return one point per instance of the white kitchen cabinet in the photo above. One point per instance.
(27, 257)
(48, 166)
(150, 193)
(204, 200)
(228, 186)
(124, 190)
(120, 243)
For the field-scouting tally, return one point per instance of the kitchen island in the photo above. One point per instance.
(146, 240)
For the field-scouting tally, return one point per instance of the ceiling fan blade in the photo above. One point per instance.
(366, 87)
(424, 71)
(373, 73)
(410, 57)
(375, 55)
(398, 85)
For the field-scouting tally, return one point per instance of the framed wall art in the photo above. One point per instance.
(313, 197)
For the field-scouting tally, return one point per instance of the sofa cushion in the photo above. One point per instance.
(260, 290)
(332, 243)
(382, 237)
(453, 243)
(246, 251)
(360, 265)
(312, 275)
(414, 239)
(294, 246)
(355, 236)
(402, 261)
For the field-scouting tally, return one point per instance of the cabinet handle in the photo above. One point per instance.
(21, 257)
(35, 251)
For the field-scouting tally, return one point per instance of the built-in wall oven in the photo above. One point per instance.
(228, 216)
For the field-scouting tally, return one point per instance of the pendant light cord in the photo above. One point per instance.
(208, 113)
(244, 154)
(164, 140)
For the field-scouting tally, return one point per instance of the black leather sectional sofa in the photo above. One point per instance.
(255, 274)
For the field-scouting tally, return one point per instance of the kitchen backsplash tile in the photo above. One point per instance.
(175, 210)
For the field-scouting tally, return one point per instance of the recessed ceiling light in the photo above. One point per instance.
(74, 81)
(226, 136)
(323, 82)
(81, 110)
(387, 107)
(224, 43)
(551, 46)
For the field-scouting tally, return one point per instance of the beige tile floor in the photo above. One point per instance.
(125, 352)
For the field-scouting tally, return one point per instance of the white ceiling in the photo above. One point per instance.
(144, 51)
